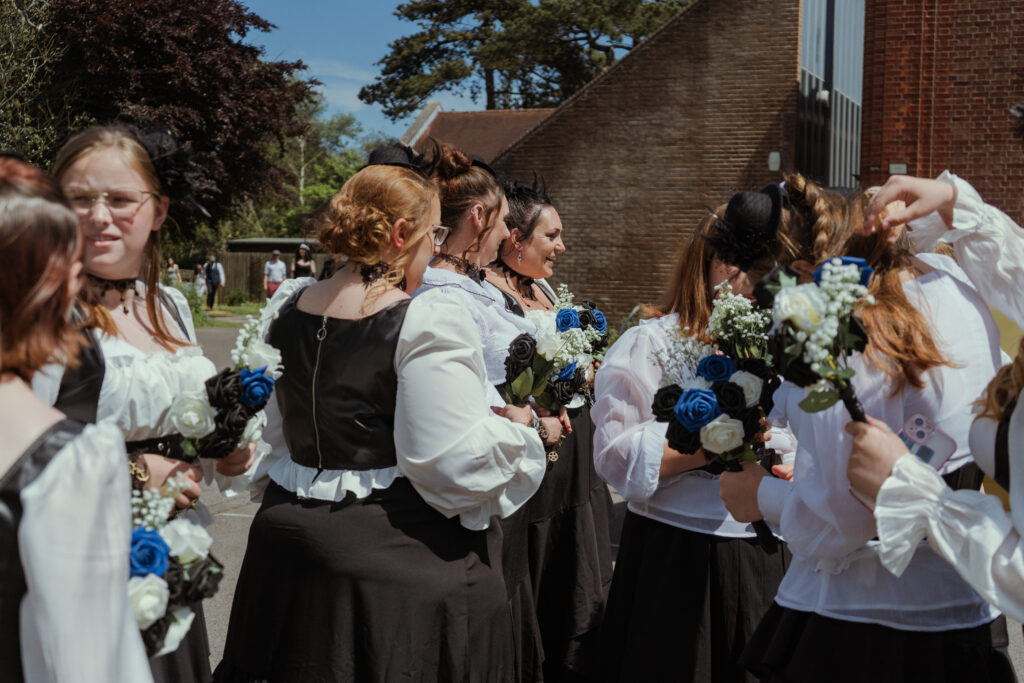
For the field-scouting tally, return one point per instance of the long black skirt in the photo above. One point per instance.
(190, 663)
(683, 604)
(793, 647)
(570, 554)
(380, 589)
(528, 665)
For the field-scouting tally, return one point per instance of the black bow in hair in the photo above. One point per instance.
(746, 233)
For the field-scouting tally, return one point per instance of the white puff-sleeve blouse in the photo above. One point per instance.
(836, 569)
(462, 458)
(988, 245)
(74, 538)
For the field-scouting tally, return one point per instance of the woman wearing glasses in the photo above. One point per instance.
(140, 352)
(375, 555)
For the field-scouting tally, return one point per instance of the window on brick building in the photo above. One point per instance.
(831, 82)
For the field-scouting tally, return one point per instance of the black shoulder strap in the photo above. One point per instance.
(511, 304)
(169, 305)
(79, 393)
(1002, 449)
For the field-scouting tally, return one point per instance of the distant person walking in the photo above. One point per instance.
(199, 281)
(303, 265)
(213, 274)
(274, 273)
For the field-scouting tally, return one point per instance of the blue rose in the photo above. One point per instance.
(600, 322)
(568, 371)
(697, 407)
(567, 319)
(256, 387)
(865, 269)
(716, 368)
(149, 552)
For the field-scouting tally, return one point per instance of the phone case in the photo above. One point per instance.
(926, 441)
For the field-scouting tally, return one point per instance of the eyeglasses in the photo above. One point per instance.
(439, 233)
(121, 201)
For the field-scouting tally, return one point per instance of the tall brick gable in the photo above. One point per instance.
(686, 119)
(939, 79)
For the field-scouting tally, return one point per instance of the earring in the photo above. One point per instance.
(519, 257)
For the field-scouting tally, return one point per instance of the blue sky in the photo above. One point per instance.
(339, 42)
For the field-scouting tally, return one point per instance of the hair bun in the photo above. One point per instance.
(359, 231)
(449, 163)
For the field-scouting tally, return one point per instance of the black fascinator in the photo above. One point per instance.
(1018, 112)
(175, 165)
(746, 233)
(398, 155)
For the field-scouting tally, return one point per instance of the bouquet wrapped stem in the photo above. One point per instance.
(849, 398)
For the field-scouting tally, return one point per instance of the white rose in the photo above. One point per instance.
(721, 435)
(188, 542)
(253, 429)
(695, 383)
(180, 625)
(148, 596)
(192, 415)
(751, 385)
(804, 306)
(258, 354)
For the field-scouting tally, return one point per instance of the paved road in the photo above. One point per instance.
(232, 518)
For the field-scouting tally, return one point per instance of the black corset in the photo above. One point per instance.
(12, 577)
(337, 393)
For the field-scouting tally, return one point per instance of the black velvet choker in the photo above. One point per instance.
(465, 267)
(371, 274)
(122, 286)
(523, 284)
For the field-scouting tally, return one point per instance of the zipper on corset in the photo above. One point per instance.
(320, 336)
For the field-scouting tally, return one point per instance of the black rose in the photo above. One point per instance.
(751, 423)
(858, 333)
(755, 366)
(665, 402)
(590, 304)
(218, 445)
(731, 399)
(587, 318)
(153, 637)
(681, 439)
(562, 390)
(204, 579)
(224, 389)
(175, 578)
(233, 420)
(579, 379)
(520, 356)
(602, 343)
(792, 368)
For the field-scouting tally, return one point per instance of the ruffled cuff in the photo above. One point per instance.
(907, 501)
(771, 498)
(651, 449)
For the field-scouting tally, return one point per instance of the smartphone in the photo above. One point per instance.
(926, 441)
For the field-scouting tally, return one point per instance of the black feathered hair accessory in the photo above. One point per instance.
(175, 165)
(746, 233)
(1018, 111)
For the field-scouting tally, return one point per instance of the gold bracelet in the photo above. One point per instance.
(138, 472)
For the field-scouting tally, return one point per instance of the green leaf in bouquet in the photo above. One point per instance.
(794, 349)
(188, 448)
(546, 401)
(744, 453)
(843, 374)
(522, 386)
(817, 401)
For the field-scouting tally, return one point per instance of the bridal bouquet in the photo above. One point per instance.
(554, 368)
(171, 568)
(815, 329)
(228, 415)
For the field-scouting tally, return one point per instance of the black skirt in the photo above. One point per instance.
(379, 589)
(570, 554)
(190, 663)
(683, 604)
(793, 647)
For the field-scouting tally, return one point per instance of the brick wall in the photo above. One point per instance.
(939, 78)
(686, 119)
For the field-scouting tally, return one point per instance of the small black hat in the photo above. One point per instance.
(746, 233)
(397, 155)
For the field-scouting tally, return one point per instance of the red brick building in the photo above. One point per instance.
(939, 79)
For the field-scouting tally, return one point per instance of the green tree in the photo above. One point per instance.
(517, 53)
